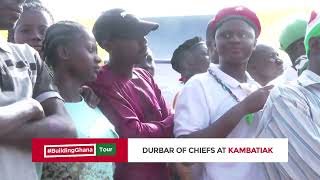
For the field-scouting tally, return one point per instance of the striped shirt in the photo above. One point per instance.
(293, 111)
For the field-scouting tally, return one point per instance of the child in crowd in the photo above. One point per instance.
(32, 26)
(72, 54)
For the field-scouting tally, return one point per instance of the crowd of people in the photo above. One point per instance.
(52, 85)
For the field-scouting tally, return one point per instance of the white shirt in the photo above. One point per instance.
(201, 102)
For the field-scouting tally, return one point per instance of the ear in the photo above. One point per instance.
(209, 44)
(255, 44)
(252, 66)
(314, 43)
(106, 45)
(214, 44)
(63, 52)
(301, 44)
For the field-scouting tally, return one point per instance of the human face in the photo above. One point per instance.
(268, 63)
(83, 60)
(199, 61)
(10, 11)
(314, 55)
(147, 64)
(235, 40)
(129, 51)
(296, 50)
(31, 28)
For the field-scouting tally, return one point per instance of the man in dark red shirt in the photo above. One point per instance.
(129, 96)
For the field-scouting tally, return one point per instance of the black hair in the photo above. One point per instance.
(179, 53)
(59, 34)
(255, 54)
(33, 5)
(37, 6)
(101, 24)
(209, 31)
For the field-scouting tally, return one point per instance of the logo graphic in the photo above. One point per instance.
(79, 150)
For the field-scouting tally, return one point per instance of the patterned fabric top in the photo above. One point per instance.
(90, 123)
